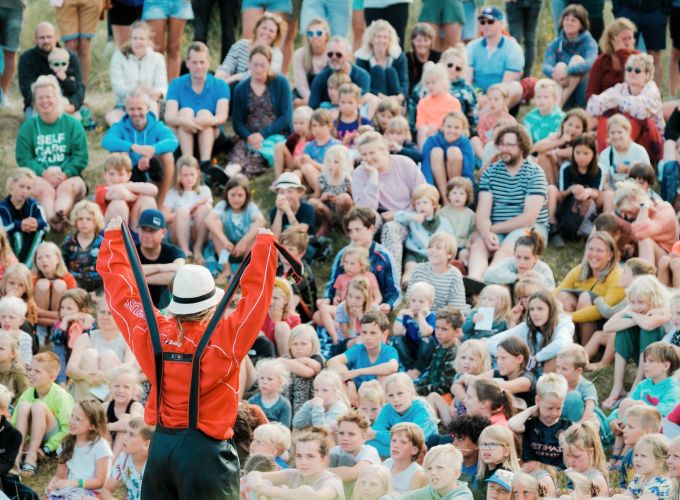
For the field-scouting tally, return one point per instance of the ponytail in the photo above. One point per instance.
(491, 391)
(533, 240)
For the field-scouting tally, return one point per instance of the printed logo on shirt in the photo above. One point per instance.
(51, 148)
(173, 342)
(135, 308)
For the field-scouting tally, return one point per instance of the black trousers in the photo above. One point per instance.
(395, 14)
(187, 464)
(229, 16)
(12, 487)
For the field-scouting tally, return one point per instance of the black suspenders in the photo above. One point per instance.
(147, 304)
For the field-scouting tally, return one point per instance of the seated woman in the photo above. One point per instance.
(598, 275)
(639, 99)
(58, 167)
(310, 59)
(569, 57)
(262, 107)
(653, 224)
(423, 39)
(381, 56)
(136, 64)
(269, 30)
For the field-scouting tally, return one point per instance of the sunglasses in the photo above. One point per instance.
(58, 64)
(451, 65)
(335, 55)
(484, 20)
(631, 69)
(317, 33)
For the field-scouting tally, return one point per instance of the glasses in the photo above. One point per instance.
(631, 69)
(317, 33)
(484, 20)
(335, 55)
(452, 65)
(490, 446)
(58, 64)
(507, 145)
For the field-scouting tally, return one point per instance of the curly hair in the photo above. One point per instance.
(96, 417)
(523, 139)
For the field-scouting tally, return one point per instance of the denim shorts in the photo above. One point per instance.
(284, 6)
(166, 9)
(11, 20)
(469, 31)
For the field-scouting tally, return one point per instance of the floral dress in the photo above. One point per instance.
(261, 114)
(659, 486)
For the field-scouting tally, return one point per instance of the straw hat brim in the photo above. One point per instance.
(177, 308)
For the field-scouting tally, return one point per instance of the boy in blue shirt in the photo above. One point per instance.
(370, 359)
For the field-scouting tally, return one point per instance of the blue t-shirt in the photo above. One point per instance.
(412, 329)
(357, 357)
(316, 151)
(214, 89)
(236, 225)
(345, 128)
(489, 67)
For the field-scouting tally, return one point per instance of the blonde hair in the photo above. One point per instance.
(23, 274)
(359, 253)
(529, 482)
(190, 162)
(612, 31)
(424, 288)
(6, 397)
(435, 72)
(619, 120)
(61, 270)
(118, 161)
(126, 48)
(586, 270)
(503, 435)
(585, 436)
(461, 183)
(50, 360)
(650, 289)
(458, 51)
(379, 472)
(658, 445)
(371, 390)
(322, 117)
(400, 379)
(362, 285)
(337, 80)
(435, 452)
(503, 300)
(304, 112)
(448, 240)
(334, 379)
(301, 331)
(575, 354)
(399, 125)
(371, 137)
(366, 50)
(478, 350)
(145, 431)
(649, 416)
(125, 371)
(93, 209)
(46, 81)
(645, 61)
(549, 85)
(338, 150)
(460, 116)
(18, 174)
(307, 55)
(277, 367)
(13, 305)
(12, 338)
(287, 290)
(350, 89)
(413, 433)
(280, 26)
(498, 87)
(426, 191)
(552, 384)
(275, 434)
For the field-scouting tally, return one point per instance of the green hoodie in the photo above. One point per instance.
(61, 144)
(460, 492)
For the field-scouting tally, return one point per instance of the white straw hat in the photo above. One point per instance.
(193, 290)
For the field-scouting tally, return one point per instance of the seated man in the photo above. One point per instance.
(148, 141)
(34, 63)
(197, 105)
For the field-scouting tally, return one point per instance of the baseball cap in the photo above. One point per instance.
(152, 218)
(502, 477)
(491, 12)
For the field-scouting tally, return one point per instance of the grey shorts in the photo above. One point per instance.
(11, 20)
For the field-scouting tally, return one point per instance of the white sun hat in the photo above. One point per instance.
(193, 290)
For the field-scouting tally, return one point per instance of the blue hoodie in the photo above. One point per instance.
(438, 141)
(122, 135)
(561, 49)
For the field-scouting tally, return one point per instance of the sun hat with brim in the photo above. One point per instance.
(503, 478)
(287, 180)
(193, 290)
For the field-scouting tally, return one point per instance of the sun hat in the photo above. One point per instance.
(193, 290)
(502, 477)
(287, 180)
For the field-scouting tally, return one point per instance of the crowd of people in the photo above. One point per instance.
(441, 358)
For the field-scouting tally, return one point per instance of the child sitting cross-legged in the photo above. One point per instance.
(12, 369)
(287, 154)
(398, 136)
(460, 195)
(355, 264)
(546, 117)
(272, 377)
(329, 402)
(414, 328)
(443, 468)
(651, 479)
(273, 440)
(13, 313)
(540, 426)
(304, 362)
(512, 372)
(583, 453)
(407, 444)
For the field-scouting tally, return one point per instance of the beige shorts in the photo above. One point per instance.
(78, 18)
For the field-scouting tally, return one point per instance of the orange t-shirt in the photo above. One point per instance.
(432, 109)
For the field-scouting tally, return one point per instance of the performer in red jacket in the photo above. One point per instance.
(195, 359)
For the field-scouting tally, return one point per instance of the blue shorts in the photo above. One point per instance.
(357, 4)
(469, 31)
(165, 9)
(284, 6)
(11, 20)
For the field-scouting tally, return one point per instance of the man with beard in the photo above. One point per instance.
(33, 63)
(512, 199)
(148, 141)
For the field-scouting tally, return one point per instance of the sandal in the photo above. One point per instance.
(28, 470)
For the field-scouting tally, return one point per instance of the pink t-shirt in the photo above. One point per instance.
(343, 280)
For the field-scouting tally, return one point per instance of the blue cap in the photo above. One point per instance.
(502, 477)
(152, 218)
(491, 13)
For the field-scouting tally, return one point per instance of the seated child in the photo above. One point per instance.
(443, 468)
(407, 442)
(129, 466)
(459, 196)
(436, 104)
(123, 405)
(21, 216)
(557, 147)
(315, 150)
(374, 483)
(497, 451)
(352, 455)
(471, 360)
(281, 316)
(547, 116)
(583, 453)
(287, 154)
(512, 373)
(492, 296)
(311, 478)
(527, 486)
(84, 457)
(52, 279)
(495, 111)
(274, 440)
(45, 402)
(349, 118)
(81, 247)
(355, 264)
(13, 313)
(500, 485)
(119, 196)
(74, 320)
(72, 91)
(651, 471)
(645, 175)
(402, 406)
(7, 257)
(304, 362)
(329, 402)
(12, 369)
(335, 81)
(272, 377)
(464, 432)
(446, 279)
(398, 136)
(448, 153)
(295, 239)
(422, 224)
(371, 399)
(638, 421)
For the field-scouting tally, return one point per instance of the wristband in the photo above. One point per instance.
(81, 483)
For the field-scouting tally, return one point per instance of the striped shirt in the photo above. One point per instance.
(510, 191)
(238, 58)
(448, 287)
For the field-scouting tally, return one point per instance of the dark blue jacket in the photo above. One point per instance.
(438, 141)
(319, 90)
(670, 180)
(31, 208)
(400, 65)
(281, 97)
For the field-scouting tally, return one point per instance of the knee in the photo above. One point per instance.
(454, 153)
(23, 409)
(43, 285)
(186, 113)
(39, 408)
(584, 300)
(674, 264)
(59, 286)
(203, 113)
(437, 154)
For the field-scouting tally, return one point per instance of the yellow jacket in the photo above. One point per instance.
(610, 289)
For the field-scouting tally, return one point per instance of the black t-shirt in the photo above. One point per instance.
(304, 215)
(262, 348)
(568, 178)
(160, 294)
(529, 397)
(542, 443)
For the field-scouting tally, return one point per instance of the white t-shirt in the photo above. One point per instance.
(83, 463)
(124, 470)
(340, 458)
(174, 200)
(635, 154)
(294, 480)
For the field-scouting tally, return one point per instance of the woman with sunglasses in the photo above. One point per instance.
(310, 59)
(639, 99)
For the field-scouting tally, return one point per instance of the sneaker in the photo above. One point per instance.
(217, 175)
(556, 241)
(5, 103)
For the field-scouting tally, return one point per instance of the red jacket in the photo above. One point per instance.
(233, 337)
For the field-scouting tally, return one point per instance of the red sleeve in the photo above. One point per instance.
(674, 416)
(595, 76)
(69, 280)
(100, 197)
(122, 296)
